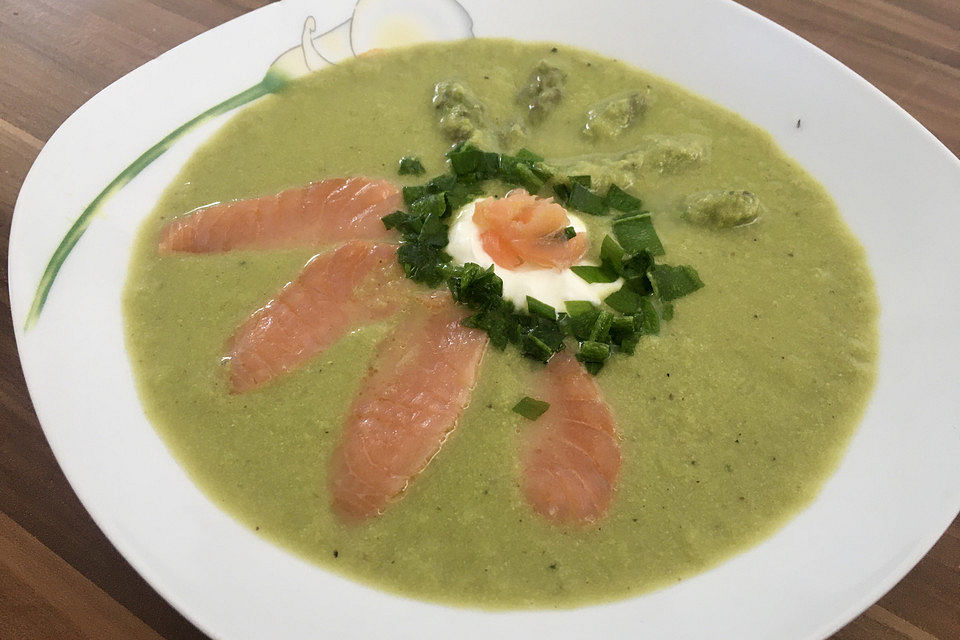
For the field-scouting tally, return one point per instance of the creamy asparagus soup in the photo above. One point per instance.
(721, 412)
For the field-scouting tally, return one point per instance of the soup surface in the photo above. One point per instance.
(730, 420)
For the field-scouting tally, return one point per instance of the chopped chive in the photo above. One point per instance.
(592, 351)
(533, 347)
(671, 283)
(625, 301)
(581, 319)
(578, 307)
(582, 199)
(527, 179)
(410, 166)
(538, 332)
(529, 156)
(649, 318)
(640, 285)
(542, 171)
(637, 264)
(636, 233)
(537, 308)
(624, 333)
(601, 326)
(591, 273)
(531, 408)
(620, 200)
(622, 325)
(562, 192)
(611, 255)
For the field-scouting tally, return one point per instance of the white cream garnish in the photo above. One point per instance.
(550, 286)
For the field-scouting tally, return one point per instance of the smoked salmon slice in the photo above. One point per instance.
(525, 229)
(570, 455)
(417, 387)
(319, 213)
(335, 293)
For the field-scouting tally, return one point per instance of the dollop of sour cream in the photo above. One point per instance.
(551, 286)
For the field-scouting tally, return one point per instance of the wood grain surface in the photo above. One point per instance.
(59, 576)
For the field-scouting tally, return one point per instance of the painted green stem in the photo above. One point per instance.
(270, 83)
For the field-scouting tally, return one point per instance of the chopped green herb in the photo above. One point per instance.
(433, 232)
(460, 194)
(582, 199)
(531, 408)
(412, 194)
(591, 273)
(637, 264)
(539, 331)
(592, 351)
(402, 221)
(475, 287)
(533, 347)
(578, 307)
(649, 318)
(624, 333)
(601, 327)
(542, 170)
(537, 308)
(546, 331)
(611, 255)
(620, 200)
(671, 283)
(489, 166)
(636, 233)
(498, 322)
(625, 301)
(422, 262)
(518, 172)
(562, 192)
(529, 156)
(410, 166)
(435, 203)
(441, 183)
(465, 158)
(580, 322)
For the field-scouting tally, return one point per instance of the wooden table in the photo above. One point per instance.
(59, 576)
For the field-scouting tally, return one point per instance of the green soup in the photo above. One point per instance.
(730, 420)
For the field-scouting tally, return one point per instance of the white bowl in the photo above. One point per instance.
(896, 490)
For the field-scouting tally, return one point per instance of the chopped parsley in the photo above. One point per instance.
(638, 308)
